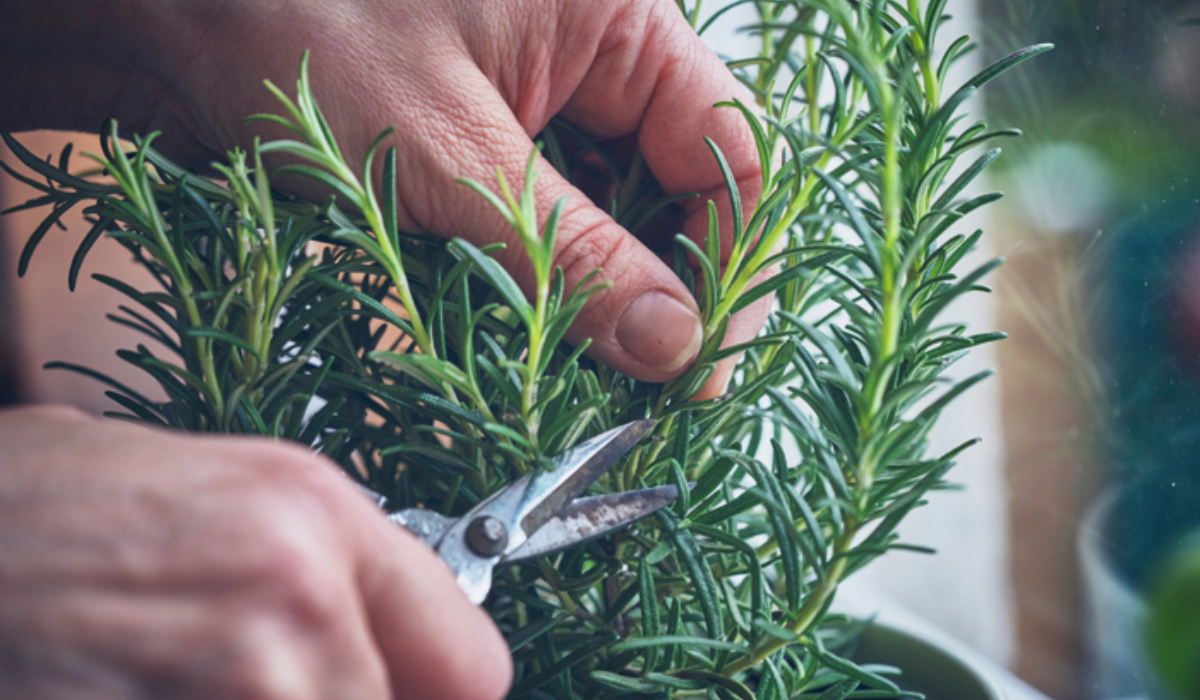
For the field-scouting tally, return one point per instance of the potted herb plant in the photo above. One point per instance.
(420, 367)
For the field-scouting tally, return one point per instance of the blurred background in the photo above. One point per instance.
(1101, 378)
(1087, 479)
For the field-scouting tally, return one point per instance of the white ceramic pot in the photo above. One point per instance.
(1114, 613)
(928, 667)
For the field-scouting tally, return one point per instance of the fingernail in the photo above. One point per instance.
(660, 331)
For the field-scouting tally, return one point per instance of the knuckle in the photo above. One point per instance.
(605, 246)
(302, 582)
(60, 413)
(482, 677)
(488, 685)
(268, 663)
(592, 245)
(297, 565)
(625, 25)
(291, 469)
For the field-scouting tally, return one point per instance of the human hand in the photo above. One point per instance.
(468, 82)
(136, 563)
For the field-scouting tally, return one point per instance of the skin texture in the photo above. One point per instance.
(141, 564)
(200, 567)
(467, 82)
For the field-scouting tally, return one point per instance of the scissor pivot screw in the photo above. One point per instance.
(487, 536)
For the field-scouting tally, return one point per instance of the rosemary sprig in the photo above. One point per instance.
(319, 147)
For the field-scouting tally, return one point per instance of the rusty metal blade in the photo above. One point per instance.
(588, 518)
(577, 469)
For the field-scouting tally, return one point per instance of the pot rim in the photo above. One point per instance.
(887, 634)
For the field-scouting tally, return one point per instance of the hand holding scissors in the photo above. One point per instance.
(538, 514)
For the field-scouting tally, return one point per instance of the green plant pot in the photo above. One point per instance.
(927, 666)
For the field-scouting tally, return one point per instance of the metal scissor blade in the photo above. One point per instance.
(576, 470)
(588, 518)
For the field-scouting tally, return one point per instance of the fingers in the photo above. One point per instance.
(329, 591)
(645, 325)
(399, 614)
(139, 562)
(265, 544)
(434, 644)
(437, 645)
(653, 74)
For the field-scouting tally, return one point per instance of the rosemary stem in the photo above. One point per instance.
(925, 58)
(811, 610)
(529, 390)
(892, 282)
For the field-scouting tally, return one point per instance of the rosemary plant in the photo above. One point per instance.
(423, 370)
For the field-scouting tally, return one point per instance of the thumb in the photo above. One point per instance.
(645, 324)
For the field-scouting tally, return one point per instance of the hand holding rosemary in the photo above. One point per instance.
(435, 375)
(466, 85)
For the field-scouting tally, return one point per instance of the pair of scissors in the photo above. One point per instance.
(538, 514)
